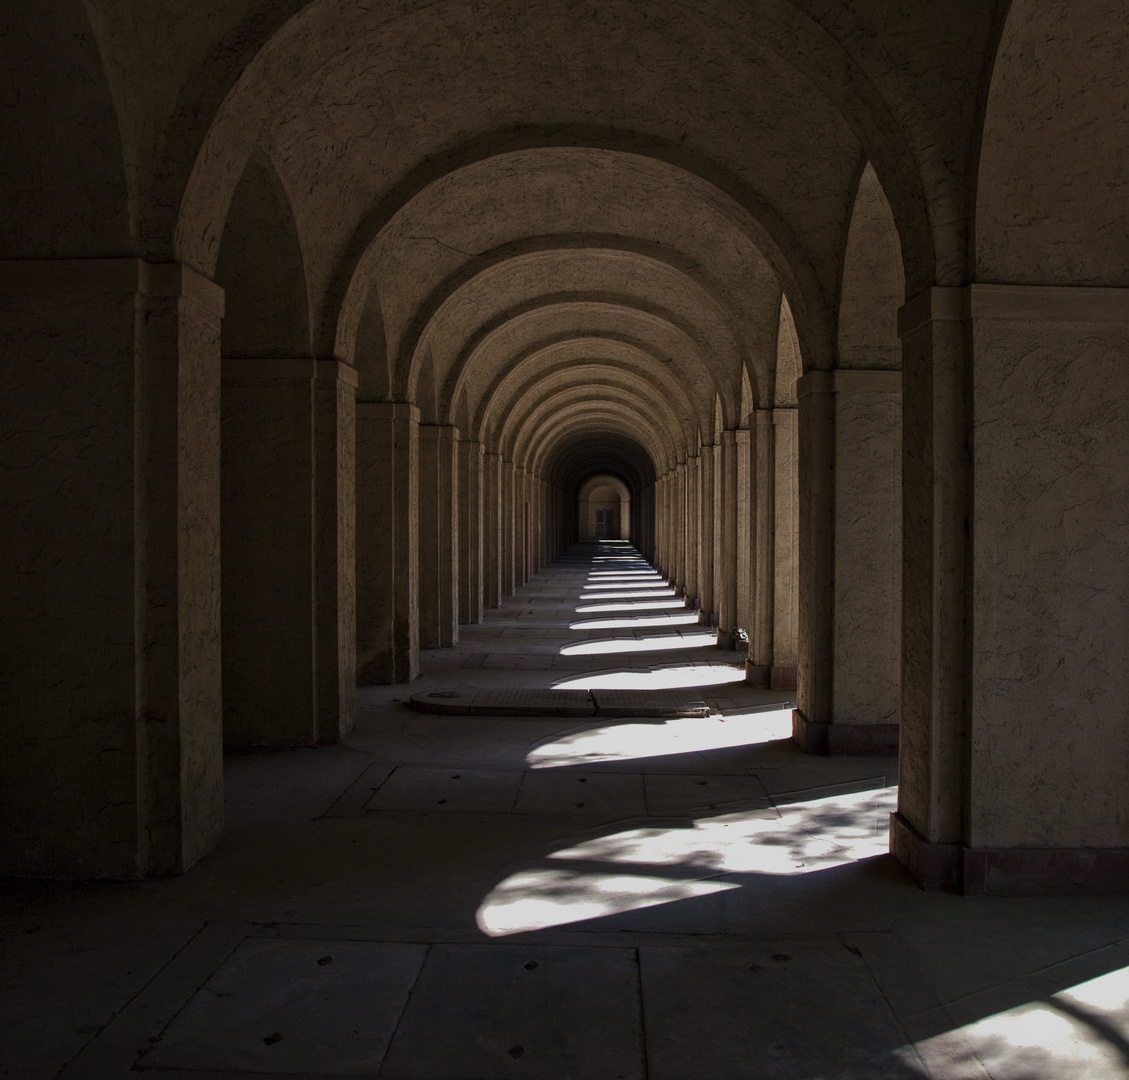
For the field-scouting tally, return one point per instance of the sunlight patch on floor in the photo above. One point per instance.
(679, 863)
(644, 644)
(1074, 1034)
(626, 622)
(633, 594)
(675, 677)
(537, 899)
(639, 605)
(627, 575)
(631, 741)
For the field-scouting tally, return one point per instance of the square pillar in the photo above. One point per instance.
(492, 530)
(727, 503)
(387, 539)
(438, 536)
(267, 553)
(1016, 603)
(335, 549)
(864, 677)
(708, 518)
(746, 531)
(785, 541)
(285, 438)
(111, 646)
(471, 522)
(510, 548)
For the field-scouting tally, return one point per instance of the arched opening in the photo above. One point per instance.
(604, 509)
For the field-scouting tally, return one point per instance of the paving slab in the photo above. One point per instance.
(567, 791)
(671, 794)
(779, 1010)
(534, 1012)
(289, 1006)
(472, 791)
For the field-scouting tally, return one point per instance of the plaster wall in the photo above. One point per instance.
(1050, 585)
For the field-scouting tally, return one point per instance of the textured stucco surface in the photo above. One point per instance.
(868, 556)
(269, 661)
(68, 776)
(1051, 600)
(1055, 157)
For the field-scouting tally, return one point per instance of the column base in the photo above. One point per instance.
(836, 739)
(1007, 871)
(769, 677)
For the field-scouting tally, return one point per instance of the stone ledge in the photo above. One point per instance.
(1007, 871)
(843, 739)
(1025, 303)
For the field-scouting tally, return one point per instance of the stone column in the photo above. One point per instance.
(868, 562)
(336, 550)
(492, 531)
(746, 531)
(814, 694)
(438, 536)
(387, 540)
(508, 525)
(693, 525)
(708, 613)
(786, 549)
(529, 533)
(935, 565)
(761, 635)
(725, 538)
(679, 516)
(1015, 594)
(111, 635)
(471, 524)
(287, 552)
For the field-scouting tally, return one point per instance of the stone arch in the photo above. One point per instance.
(1054, 157)
(873, 283)
(572, 329)
(370, 353)
(789, 361)
(866, 413)
(595, 276)
(64, 169)
(587, 382)
(262, 271)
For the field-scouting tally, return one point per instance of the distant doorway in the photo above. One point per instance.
(604, 509)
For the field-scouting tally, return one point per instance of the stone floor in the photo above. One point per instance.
(447, 897)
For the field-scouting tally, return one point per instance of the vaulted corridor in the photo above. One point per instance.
(449, 897)
(410, 412)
